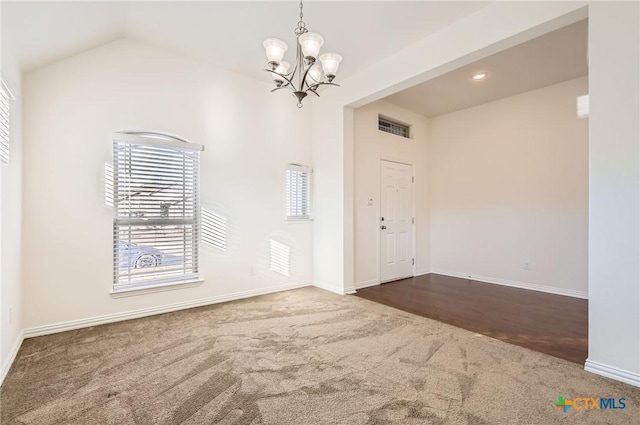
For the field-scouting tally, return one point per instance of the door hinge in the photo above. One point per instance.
(412, 179)
(413, 261)
(413, 220)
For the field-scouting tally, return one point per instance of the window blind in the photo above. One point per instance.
(156, 206)
(5, 121)
(298, 182)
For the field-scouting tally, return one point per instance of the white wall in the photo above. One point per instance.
(509, 184)
(371, 145)
(614, 193)
(73, 106)
(11, 223)
(329, 266)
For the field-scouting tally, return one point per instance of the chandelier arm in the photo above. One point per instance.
(289, 83)
(292, 74)
(278, 88)
(315, 86)
(304, 79)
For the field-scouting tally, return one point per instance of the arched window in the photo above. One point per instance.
(156, 222)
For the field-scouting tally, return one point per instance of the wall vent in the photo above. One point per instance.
(393, 127)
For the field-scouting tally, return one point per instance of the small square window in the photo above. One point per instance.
(298, 182)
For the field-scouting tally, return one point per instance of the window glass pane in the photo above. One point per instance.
(298, 184)
(161, 253)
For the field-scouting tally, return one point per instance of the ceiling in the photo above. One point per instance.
(224, 33)
(558, 56)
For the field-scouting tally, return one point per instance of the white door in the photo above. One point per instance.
(396, 221)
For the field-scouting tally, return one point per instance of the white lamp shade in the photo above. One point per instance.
(283, 68)
(330, 63)
(311, 43)
(275, 49)
(315, 75)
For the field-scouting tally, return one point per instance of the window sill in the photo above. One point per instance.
(150, 289)
(298, 220)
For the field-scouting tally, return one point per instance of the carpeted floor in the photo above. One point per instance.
(298, 357)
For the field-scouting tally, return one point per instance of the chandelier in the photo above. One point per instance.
(307, 75)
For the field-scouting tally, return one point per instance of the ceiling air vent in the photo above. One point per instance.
(393, 127)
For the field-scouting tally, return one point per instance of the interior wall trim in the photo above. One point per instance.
(335, 290)
(618, 374)
(516, 284)
(135, 314)
(12, 356)
(367, 283)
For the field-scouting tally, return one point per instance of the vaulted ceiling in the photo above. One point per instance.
(228, 34)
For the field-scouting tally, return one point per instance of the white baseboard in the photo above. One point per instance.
(602, 369)
(135, 314)
(515, 284)
(374, 282)
(334, 289)
(367, 283)
(12, 356)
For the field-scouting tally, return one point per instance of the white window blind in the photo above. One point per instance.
(5, 120)
(298, 192)
(156, 223)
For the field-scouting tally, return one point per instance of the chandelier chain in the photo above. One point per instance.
(301, 22)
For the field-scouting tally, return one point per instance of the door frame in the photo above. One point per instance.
(379, 211)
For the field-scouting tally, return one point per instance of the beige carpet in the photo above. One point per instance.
(298, 357)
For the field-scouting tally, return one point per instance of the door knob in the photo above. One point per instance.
(383, 227)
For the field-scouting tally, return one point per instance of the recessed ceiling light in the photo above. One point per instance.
(479, 76)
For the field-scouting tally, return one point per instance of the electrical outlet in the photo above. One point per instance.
(252, 271)
(526, 265)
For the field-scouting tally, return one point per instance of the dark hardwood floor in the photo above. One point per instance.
(551, 324)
